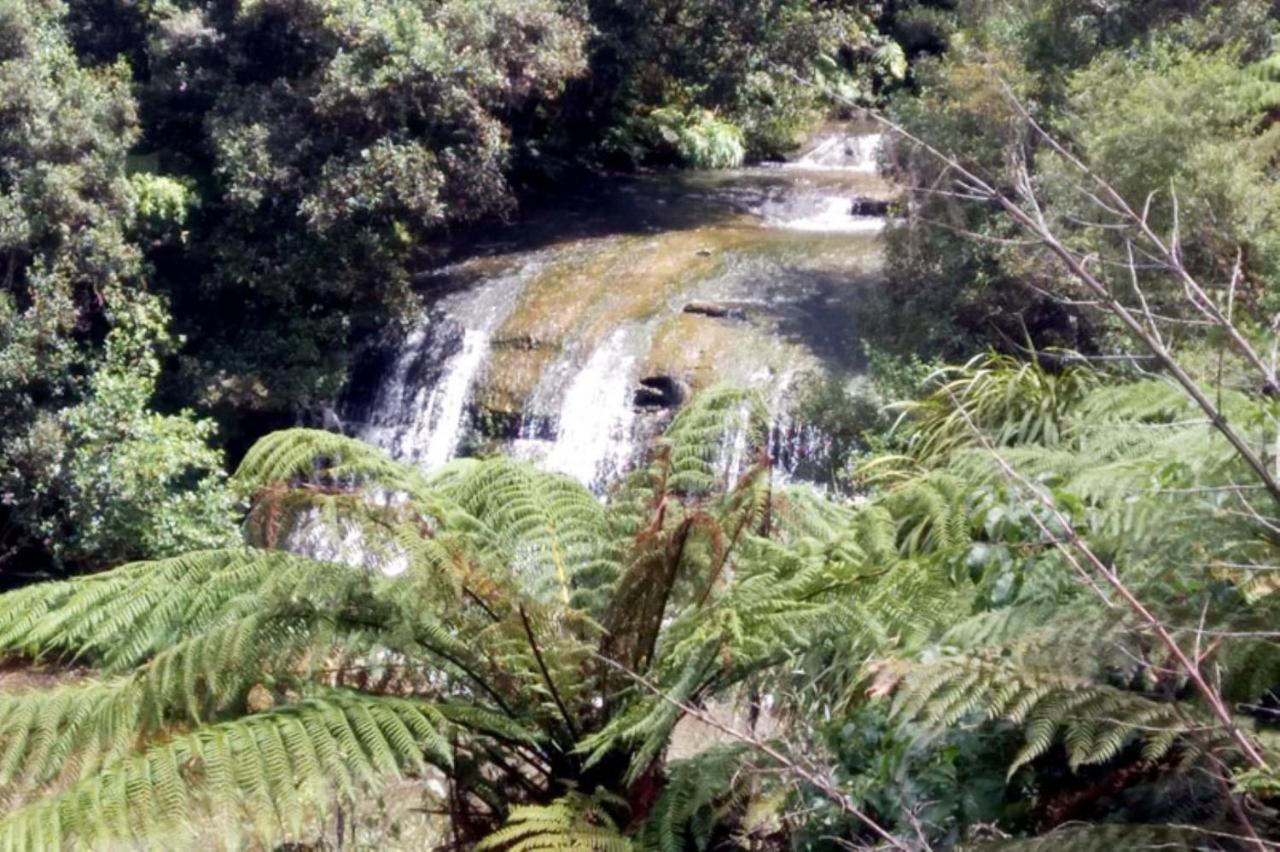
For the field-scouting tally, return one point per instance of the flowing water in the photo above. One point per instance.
(570, 338)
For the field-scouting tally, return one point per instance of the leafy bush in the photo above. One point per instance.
(107, 479)
(698, 139)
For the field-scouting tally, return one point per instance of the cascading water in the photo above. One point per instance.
(423, 421)
(594, 430)
(450, 397)
(733, 452)
(573, 352)
(840, 150)
(812, 201)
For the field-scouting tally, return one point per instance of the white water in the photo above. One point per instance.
(383, 428)
(829, 214)
(424, 424)
(841, 152)
(436, 413)
(816, 205)
(734, 460)
(446, 407)
(593, 433)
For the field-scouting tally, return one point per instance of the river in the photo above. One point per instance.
(570, 337)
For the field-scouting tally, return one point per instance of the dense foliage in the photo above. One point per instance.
(1038, 611)
(242, 193)
(1160, 97)
(498, 631)
(86, 473)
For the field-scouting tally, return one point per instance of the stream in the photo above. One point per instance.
(569, 339)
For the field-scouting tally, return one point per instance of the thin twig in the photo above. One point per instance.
(1191, 668)
(822, 785)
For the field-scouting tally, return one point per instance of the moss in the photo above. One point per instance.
(599, 286)
(702, 351)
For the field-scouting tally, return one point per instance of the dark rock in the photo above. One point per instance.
(869, 207)
(719, 310)
(519, 341)
(660, 392)
(487, 424)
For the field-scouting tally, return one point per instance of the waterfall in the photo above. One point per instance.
(446, 407)
(424, 421)
(593, 440)
(536, 348)
(423, 424)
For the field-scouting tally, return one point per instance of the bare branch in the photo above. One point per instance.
(788, 764)
(1074, 541)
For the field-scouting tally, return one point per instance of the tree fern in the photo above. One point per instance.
(516, 584)
(697, 788)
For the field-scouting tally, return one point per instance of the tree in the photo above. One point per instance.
(329, 141)
(673, 78)
(80, 336)
(1128, 83)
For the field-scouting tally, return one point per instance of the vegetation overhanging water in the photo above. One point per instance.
(661, 424)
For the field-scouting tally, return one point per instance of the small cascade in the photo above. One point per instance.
(831, 188)
(594, 440)
(424, 424)
(445, 408)
(781, 425)
(734, 454)
(797, 450)
(820, 213)
(841, 151)
(420, 414)
(384, 425)
(736, 451)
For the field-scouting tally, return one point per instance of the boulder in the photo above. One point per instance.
(660, 392)
(864, 206)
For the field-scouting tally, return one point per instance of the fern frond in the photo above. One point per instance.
(1094, 721)
(305, 455)
(123, 616)
(1011, 401)
(694, 787)
(274, 770)
(572, 823)
(545, 528)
